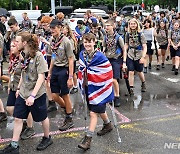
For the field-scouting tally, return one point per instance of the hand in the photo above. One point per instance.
(70, 83)
(141, 61)
(30, 101)
(124, 68)
(175, 47)
(17, 93)
(8, 91)
(49, 76)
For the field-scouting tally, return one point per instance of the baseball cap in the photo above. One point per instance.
(55, 22)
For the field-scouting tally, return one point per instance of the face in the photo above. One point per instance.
(147, 24)
(133, 25)
(176, 25)
(14, 48)
(45, 26)
(19, 43)
(94, 29)
(13, 28)
(79, 26)
(55, 31)
(89, 45)
(162, 15)
(65, 30)
(162, 24)
(109, 27)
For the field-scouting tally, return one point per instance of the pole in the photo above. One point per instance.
(114, 5)
(53, 6)
(178, 5)
(31, 5)
(60, 3)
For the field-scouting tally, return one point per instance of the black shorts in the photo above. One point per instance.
(174, 52)
(11, 98)
(134, 65)
(38, 109)
(101, 108)
(164, 47)
(116, 66)
(149, 50)
(58, 82)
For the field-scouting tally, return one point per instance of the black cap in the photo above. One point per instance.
(3, 15)
(55, 22)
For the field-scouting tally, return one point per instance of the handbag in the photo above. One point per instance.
(154, 43)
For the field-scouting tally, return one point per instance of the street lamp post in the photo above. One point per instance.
(31, 5)
(114, 5)
(178, 5)
(53, 6)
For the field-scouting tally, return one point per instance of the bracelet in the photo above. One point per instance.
(32, 96)
(70, 76)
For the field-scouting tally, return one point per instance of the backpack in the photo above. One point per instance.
(118, 47)
(139, 39)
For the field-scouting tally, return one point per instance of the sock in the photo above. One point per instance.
(75, 86)
(89, 133)
(131, 86)
(106, 121)
(68, 115)
(14, 144)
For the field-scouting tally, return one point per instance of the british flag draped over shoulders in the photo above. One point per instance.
(99, 78)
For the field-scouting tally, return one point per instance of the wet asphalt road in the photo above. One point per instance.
(147, 122)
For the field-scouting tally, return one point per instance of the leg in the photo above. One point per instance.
(3, 115)
(18, 123)
(58, 99)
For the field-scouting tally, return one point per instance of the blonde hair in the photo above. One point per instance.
(138, 29)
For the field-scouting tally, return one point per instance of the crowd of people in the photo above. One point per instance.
(43, 62)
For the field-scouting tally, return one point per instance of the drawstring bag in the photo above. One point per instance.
(154, 44)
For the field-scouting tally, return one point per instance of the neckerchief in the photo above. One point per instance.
(176, 32)
(25, 62)
(111, 43)
(55, 44)
(13, 64)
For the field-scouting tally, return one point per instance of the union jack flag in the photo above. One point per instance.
(99, 76)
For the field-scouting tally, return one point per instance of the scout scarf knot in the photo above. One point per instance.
(25, 62)
(55, 44)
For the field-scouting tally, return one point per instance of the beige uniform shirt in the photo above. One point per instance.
(15, 77)
(174, 36)
(133, 44)
(162, 37)
(37, 65)
(64, 51)
(111, 50)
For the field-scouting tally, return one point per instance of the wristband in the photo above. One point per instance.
(70, 76)
(124, 62)
(32, 96)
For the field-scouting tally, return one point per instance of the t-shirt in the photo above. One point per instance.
(110, 44)
(174, 35)
(37, 65)
(135, 47)
(64, 51)
(148, 34)
(162, 37)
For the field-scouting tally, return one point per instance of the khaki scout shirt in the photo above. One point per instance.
(174, 36)
(133, 43)
(15, 77)
(162, 37)
(64, 51)
(37, 65)
(111, 51)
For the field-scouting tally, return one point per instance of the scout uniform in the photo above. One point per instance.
(37, 65)
(162, 39)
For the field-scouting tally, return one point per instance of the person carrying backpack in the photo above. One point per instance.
(113, 46)
(135, 44)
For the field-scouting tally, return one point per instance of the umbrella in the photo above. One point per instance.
(3, 12)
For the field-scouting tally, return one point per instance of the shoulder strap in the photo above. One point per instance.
(139, 37)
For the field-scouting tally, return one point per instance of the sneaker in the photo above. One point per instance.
(145, 69)
(149, 66)
(51, 107)
(163, 66)
(10, 150)
(74, 90)
(86, 143)
(3, 116)
(117, 101)
(167, 58)
(45, 142)
(158, 67)
(106, 128)
(176, 72)
(67, 124)
(143, 87)
(27, 133)
(173, 68)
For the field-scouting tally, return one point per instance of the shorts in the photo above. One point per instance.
(58, 81)
(134, 65)
(11, 98)
(174, 52)
(164, 47)
(116, 66)
(101, 108)
(38, 109)
(149, 50)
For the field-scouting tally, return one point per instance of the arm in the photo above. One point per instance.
(18, 87)
(31, 98)
(143, 54)
(71, 69)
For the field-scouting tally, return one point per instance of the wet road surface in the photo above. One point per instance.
(147, 122)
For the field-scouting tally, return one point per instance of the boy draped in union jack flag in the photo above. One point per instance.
(96, 83)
